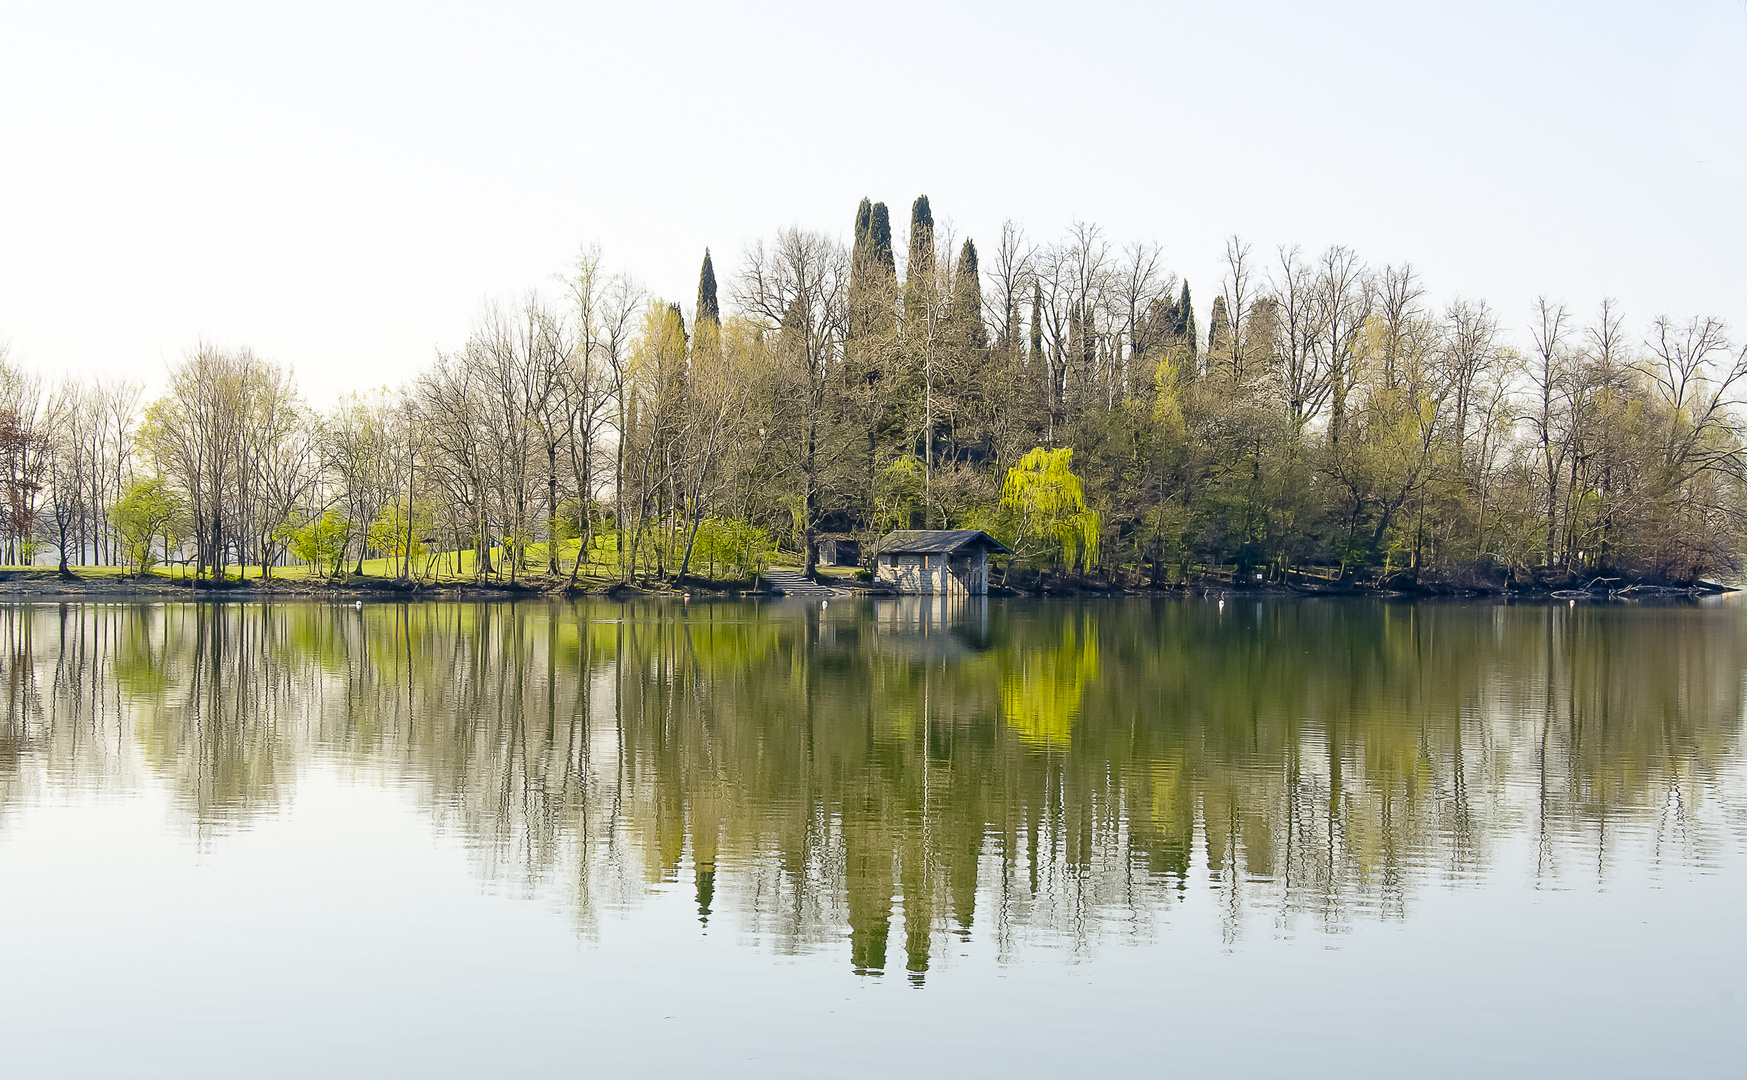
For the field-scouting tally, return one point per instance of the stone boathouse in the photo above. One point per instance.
(938, 562)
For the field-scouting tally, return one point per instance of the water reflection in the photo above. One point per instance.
(907, 772)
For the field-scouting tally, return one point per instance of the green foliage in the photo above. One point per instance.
(1648, 711)
(733, 543)
(1341, 418)
(563, 527)
(1050, 504)
(321, 542)
(146, 510)
(1044, 685)
(393, 535)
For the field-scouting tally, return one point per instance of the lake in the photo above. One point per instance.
(1005, 837)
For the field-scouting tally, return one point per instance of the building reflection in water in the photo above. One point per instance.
(911, 771)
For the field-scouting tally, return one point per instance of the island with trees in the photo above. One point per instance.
(1332, 426)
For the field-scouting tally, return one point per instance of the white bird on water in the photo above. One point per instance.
(359, 605)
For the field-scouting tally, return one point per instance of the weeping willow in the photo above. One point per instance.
(1050, 504)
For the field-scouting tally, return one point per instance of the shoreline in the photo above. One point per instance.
(49, 585)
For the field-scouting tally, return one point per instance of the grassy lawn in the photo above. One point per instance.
(601, 568)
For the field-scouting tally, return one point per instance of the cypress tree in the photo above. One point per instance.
(965, 273)
(707, 325)
(1261, 332)
(967, 298)
(871, 339)
(709, 308)
(870, 262)
(861, 253)
(863, 229)
(860, 265)
(880, 239)
(921, 238)
(1158, 327)
(1186, 327)
(1219, 334)
(872, 283)
(919, 268)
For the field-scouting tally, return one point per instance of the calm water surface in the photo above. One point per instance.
(1005, 838)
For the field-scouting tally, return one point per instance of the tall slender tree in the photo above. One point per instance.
(707, 324)
(1186, 333)
(919, 284)
(967, 299)
(709, 307)
(880, 240)
(1219, 340)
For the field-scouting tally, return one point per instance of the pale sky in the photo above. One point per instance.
(342, 187)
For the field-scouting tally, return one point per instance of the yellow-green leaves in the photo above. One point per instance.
(146, 510)
(1051, 506)
(321, 542)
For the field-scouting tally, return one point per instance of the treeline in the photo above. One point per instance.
(1061, 395)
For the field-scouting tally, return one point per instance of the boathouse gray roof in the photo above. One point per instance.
(939, 542)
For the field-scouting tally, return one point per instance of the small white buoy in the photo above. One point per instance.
(824, 603)
(359, 605)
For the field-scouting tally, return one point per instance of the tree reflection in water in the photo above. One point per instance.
(1052, 772)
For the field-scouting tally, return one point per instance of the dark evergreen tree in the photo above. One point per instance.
(858, 255)
(707, 320)
(872, 281)
(919, 265)
(709, 307)
(1158, 327)
(967, 299)
(863, 221)
(880, 239)
(921, 239)
(1186, 329)
(871, 259)
(870, 344)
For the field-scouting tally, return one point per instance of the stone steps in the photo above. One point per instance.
(791, 583)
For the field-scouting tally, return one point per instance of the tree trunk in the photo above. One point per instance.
(551, 508)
